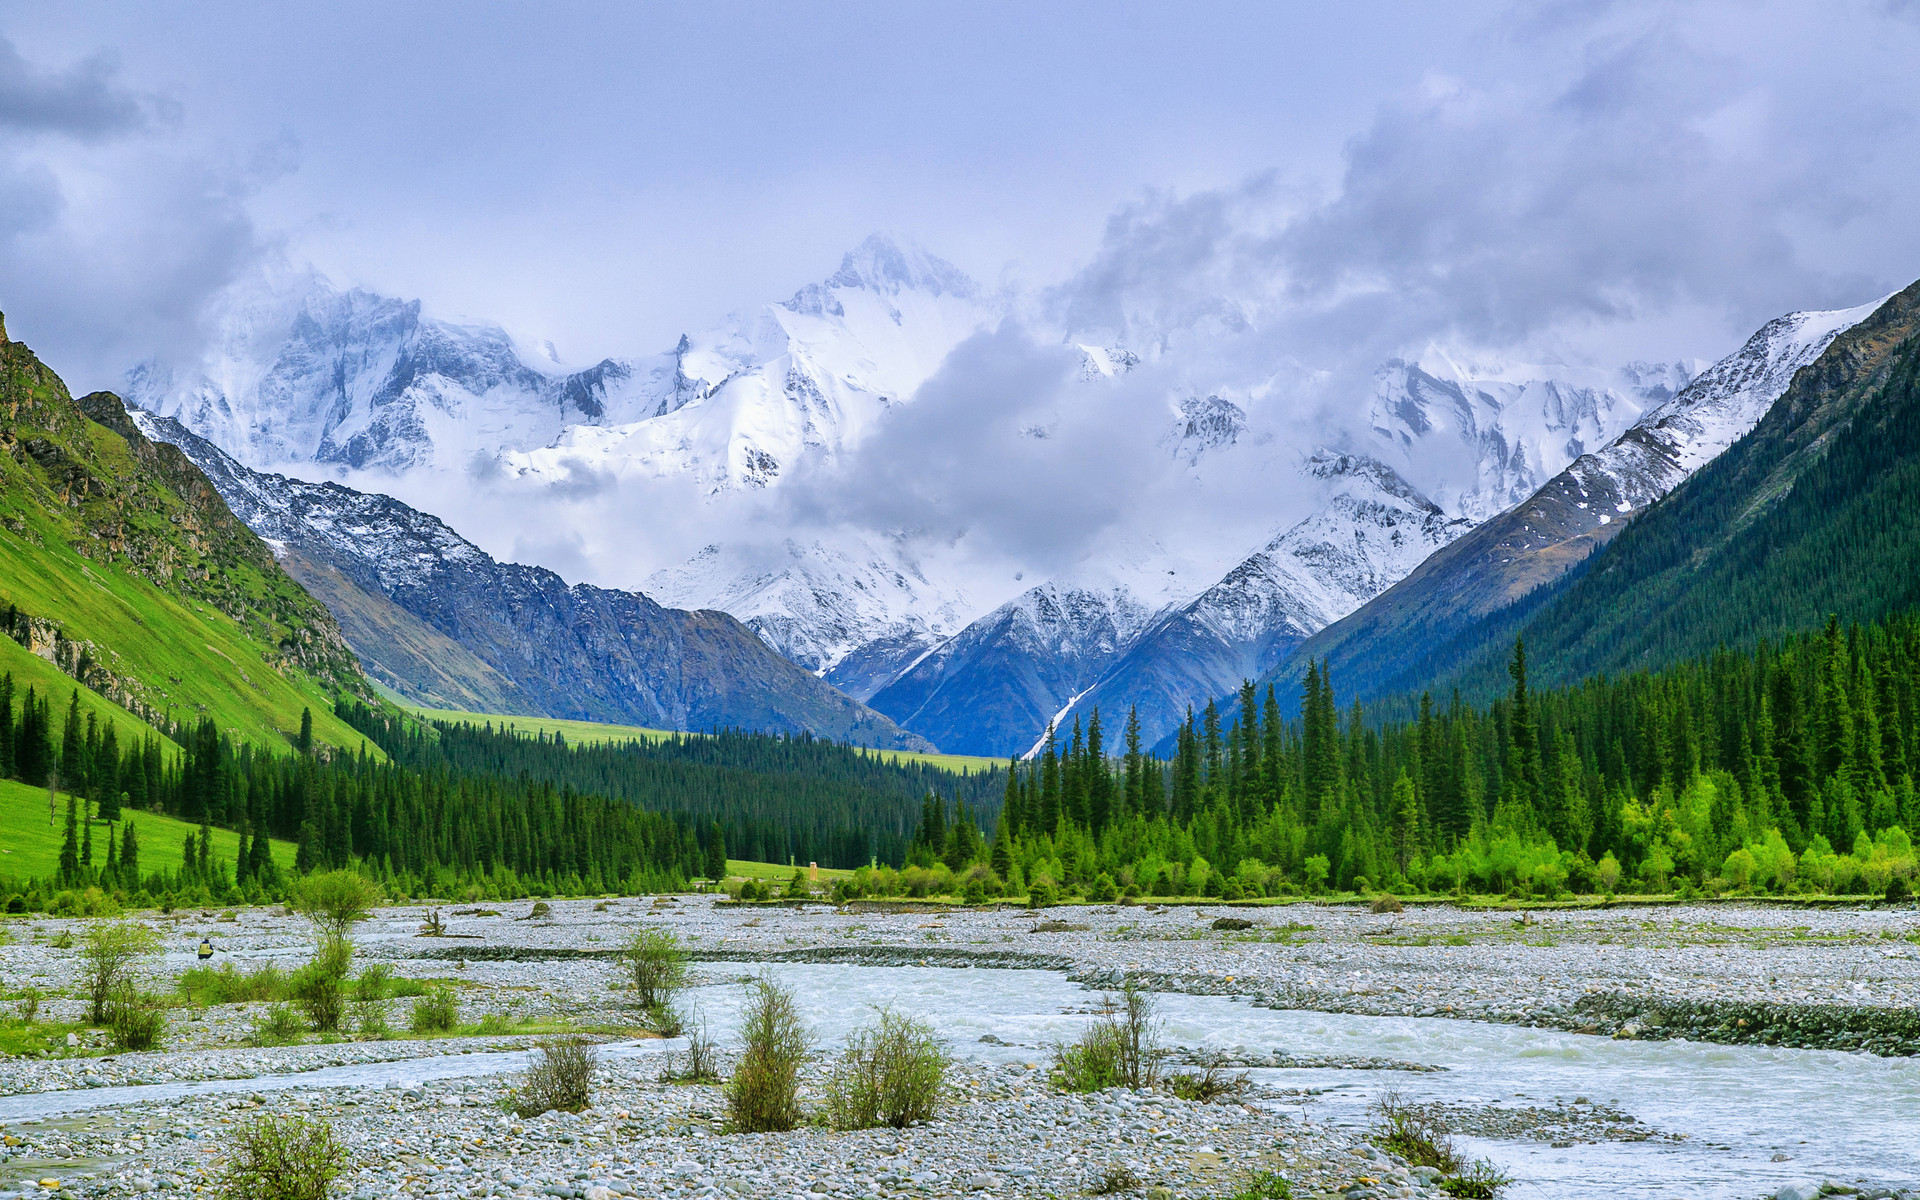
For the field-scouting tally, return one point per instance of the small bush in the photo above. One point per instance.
(656, 966)
(890, 1073)
(375, 982)
(1120, 1049)
(107, 960)
(1232, 924)
(1208, 1086)
(701, 1064)
(227, 985)
(373, 1021)
(1114, 1179)
(1481, 1180)
(437, 1011)
(280, 1158)
(334, 901)
(665, 1019)
(318, 989)
(1265, 1185)
(29, 1005)
(1402, 1128)
(763, 1095)
(560, 1077)
(279, 1027)
(136, 1021)
(494, 1024)
(1384, 903)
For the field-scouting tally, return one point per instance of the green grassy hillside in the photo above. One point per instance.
(30, 845)
(121, 565)
(589, 733)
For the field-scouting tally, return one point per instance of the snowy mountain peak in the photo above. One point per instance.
(1203, 424)
(889, 266)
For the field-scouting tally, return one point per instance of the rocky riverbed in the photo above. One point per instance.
(1833, 978)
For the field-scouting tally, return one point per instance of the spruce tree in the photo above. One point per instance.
(70, 846)
(130, 856)
(716, 853)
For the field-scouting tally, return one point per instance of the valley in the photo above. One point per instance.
(1549, 1053)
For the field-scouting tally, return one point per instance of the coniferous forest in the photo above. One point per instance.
(1786, 768)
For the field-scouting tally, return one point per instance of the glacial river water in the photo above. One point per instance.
(1833, 1114)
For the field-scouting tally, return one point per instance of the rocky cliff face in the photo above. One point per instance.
(435, 617)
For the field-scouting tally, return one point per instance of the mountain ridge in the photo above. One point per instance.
(527, 641)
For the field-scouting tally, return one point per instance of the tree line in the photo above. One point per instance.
(777, 798)
(1789, 766)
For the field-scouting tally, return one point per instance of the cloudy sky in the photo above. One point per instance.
(1581, 181)
(607, 175)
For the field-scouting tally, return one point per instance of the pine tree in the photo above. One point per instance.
(70, 846)
(305, 742)
(130, 856)
(716, 866)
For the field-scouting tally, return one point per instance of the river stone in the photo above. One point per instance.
(1805, 1189)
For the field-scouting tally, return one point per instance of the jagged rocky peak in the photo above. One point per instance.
(1205, 423)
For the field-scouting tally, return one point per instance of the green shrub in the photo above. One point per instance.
(701, 1065)
(1119, 1049)
(228, 985)
(29, 1005)
(1104, 890)
(560, 1077)
(763, 1095)
(656, 966)
(1481, 1180)
(1207, 1086)
(1265, 1185)
(318, 989)
(373, 1021)
(375, 982)
(334, 901)
(1402, 1128)
(890, 1073)
(278, 1027)
(136, 1021)
(280, 1158)
(494, 1024)
(437, 1011)
(107, 960)
(1041, 895)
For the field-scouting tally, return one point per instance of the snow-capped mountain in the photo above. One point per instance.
(312, 375)
(1717, 409)
(1012, 671)
(1413, 625)
(857, 611)
(1097, 641)
(439, 620)
(1480, 438)
(1476, 434)
(807, 377)
(1372, 531)
(306, 373)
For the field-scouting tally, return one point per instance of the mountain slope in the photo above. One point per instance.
(121, 565)
(1816, 512)
(438, 619)
(992, 689)
(1373, 531)
(1439, 615)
